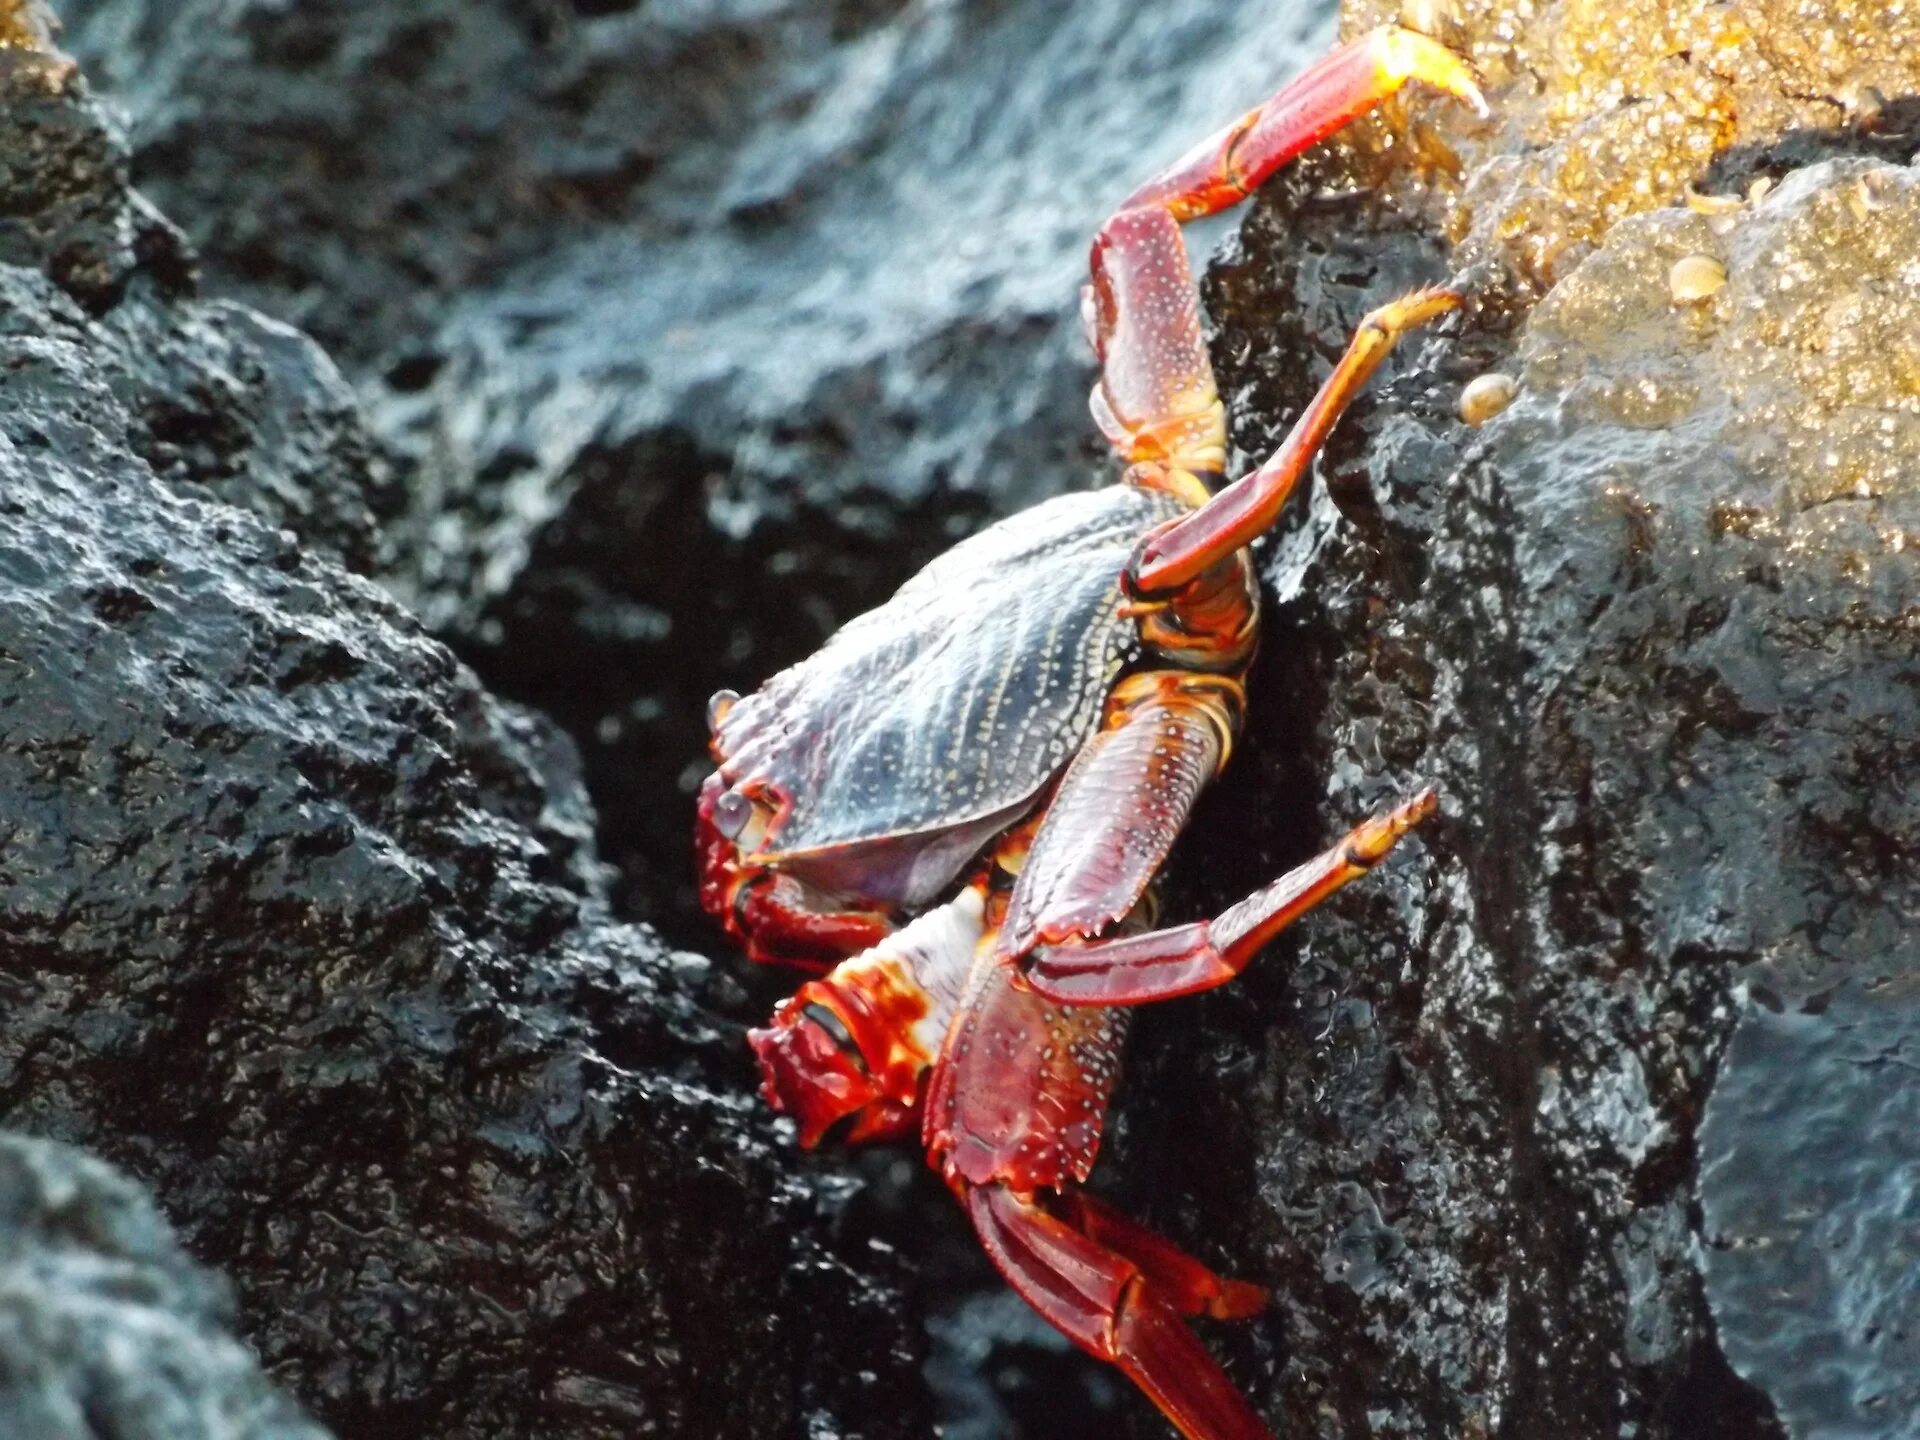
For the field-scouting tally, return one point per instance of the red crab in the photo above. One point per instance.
(959, 803)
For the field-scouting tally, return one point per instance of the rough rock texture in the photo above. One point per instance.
(1656, 645)
(1612, 107)
(699, 327)
(106, 1328)
(307, 932)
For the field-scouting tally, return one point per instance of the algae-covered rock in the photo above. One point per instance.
(1608, 108)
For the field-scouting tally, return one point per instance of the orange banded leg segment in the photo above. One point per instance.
(1121, 805)
(1186, 548)
(1157, 400)
(1113, 1309)
(1163, 964)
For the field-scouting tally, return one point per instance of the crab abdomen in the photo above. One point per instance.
(930, 723)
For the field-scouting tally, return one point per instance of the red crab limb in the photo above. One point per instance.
(849, 1052)
(1162, 964)
(1182, 1281)
(779, 919)
(1112, 1308)
(1186, 548)
(1157, 399)
(1121, 806)
(1225, 168)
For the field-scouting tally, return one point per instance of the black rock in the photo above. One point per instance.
(306, 931)
(1533, 1132)
(106, 1328)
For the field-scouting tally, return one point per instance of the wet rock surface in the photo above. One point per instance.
(1609, 108)
(307, 932)
(1529, 1134)
(106, 1328)
(1652, 631)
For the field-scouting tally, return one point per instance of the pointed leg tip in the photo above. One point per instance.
(1413, 310)
(1238, 1300)
(1406, 55)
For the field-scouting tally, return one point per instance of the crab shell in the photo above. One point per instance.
(884, 762)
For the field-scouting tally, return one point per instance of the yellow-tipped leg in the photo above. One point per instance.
(1241, 513)
(1403, 55)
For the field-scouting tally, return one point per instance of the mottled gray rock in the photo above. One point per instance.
(106, 1328)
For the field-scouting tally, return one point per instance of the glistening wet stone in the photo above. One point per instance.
(306, 931)
(106, 1327)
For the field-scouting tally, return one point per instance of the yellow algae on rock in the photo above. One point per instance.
(1609, 108)
(1807, 361)
(26, 25)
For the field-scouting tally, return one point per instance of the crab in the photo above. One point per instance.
(953, 812)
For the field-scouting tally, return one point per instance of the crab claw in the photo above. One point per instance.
(811, 1070)
(1116, 1309)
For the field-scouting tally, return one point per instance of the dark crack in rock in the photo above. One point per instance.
(307, 932)
(106, 1328)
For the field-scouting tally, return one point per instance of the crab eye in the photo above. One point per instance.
(731, 813)
(718, 706)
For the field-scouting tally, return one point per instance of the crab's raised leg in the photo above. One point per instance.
(1114, 1309)
(1184, 549)
(1161, 964)
(1157, 400)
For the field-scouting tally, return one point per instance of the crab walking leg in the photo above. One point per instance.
(1162, 964)
(1122, 803)
(1179, 1279)
(1111, 1308)
(1157, 400)
(1224, 169)
(1186, 548)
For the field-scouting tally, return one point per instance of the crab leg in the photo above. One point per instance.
(1162, 964)
(1186, 548)
(1120, 806)
(1112, 1308)
(1224, 169)
(1157, 400)
(1178, 1278)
